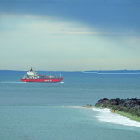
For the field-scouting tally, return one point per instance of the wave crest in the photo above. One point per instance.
(105, 115)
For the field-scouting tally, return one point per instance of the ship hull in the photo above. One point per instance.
(48, 80)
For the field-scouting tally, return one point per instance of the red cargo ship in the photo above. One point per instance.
(31, 76)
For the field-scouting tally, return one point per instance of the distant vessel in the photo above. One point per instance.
(31, 76)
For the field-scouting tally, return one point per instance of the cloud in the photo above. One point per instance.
(53, 43)
(106, 15)
(51, 25)
(46, 24)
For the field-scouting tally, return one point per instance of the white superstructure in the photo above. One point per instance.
(31, 75)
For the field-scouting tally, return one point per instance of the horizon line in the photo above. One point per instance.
(76, 70)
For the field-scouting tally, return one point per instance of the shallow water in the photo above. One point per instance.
(40, 111)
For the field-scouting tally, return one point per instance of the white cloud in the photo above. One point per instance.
(45, 24)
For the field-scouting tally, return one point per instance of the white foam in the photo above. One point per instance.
(90, 72)
(61, 82)
(73, 106)
(105, 115)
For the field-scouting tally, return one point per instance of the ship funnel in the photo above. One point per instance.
(31, 70)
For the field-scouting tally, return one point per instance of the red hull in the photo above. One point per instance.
(49, 80)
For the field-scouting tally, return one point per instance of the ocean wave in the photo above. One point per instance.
(104, 115)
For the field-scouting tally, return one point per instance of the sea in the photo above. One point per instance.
(53, 111)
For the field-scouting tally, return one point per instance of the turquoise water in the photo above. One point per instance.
(41, 111)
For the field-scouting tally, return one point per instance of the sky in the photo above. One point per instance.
(69, 35)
